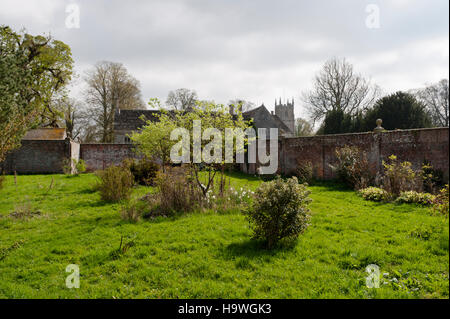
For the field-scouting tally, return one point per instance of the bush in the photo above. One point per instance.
(440, 203)
(71, 166)
(416, 198)
(304, 172)
(398, 177)
(144, 171)
(279, 210)
(375, 194)
(80, 166)
(115, 183)
(134, 210)
(353, 167)
(431, 178)
(177, 191)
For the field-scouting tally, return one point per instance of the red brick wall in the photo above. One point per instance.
(408, 145)
(38, 157)
(100, 156)
(411, 145)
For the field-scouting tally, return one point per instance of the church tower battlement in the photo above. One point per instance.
(286, 113)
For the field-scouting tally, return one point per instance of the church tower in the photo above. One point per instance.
(286, 113)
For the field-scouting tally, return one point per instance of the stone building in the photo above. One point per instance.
(285, 113)
(128, 121)
(262, 118)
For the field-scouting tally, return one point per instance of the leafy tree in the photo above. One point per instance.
(398, 111)
(336, 122)
(338, 88)
(110, 88)
(34, 70)
(153, 140)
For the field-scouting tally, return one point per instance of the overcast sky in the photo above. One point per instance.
(256, 50)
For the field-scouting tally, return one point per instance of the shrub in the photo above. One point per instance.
(416, 198)
(177, 191)
(134, 210)
(353, 167)
(304, 172)
(375, 194)
(398, 177)
(80, 166)
(144, 170)
(114, 183)
(431, 178)
(440, 203)
(279, 210)
(67, 166)
(71, 166)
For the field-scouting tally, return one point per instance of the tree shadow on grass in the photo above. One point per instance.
(86, 191)
(257, 248)
(333, 185)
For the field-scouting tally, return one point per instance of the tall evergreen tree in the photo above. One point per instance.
(398, 111)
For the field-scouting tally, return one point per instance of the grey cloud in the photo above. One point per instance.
(256, 49)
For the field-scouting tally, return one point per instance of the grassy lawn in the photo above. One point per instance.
(210, 255)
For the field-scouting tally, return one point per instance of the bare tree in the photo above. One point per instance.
(73, 118)
(337, 87)
(181, 99)
(241, 104)
(110, 88)
(435, 97)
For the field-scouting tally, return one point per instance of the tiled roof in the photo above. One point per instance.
(130, 119)
(46, 134)
(262, 118)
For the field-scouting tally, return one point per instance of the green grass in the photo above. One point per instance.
(211, 255)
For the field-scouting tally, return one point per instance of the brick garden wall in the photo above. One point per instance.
(409, 145)
(38, 157)
(100, 156)
(45, 156)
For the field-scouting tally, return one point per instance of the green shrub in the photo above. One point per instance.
(304, 172)
(431, 178)
(71, 166)
(398, 177)
(115, 183)
(414, 197)
(80, 166)
(67, 166)
(144, 170)
(375, 194)
(353, 167)
(279, 210)
(440, 203)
